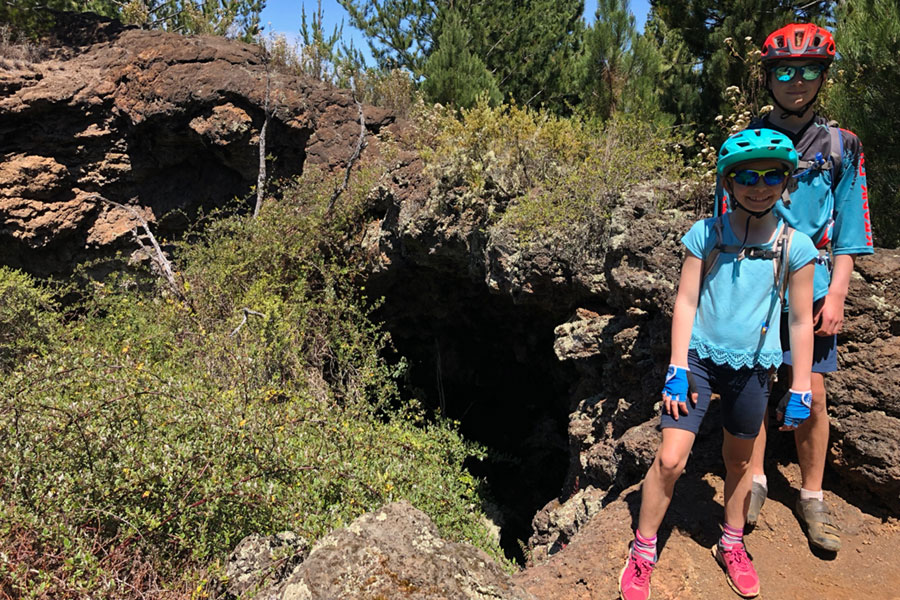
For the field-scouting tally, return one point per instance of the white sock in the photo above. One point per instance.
(761, 479)
(808, 495)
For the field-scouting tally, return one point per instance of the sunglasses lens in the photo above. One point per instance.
(811, 72)
(784, 73)
(774, 177)
(750, 177)
(746, 177)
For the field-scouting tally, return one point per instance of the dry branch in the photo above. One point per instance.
(360, 144)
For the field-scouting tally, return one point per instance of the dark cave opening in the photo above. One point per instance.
(487, 363)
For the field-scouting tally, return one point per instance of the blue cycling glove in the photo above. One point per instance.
(676, 386)
(797, 409)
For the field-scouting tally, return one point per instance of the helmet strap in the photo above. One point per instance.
(759, 214)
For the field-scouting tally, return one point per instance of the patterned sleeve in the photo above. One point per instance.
(697, 238)
(852, 233)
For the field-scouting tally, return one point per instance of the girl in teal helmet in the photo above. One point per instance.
(725, 340)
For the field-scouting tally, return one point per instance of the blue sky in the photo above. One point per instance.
(283, 17)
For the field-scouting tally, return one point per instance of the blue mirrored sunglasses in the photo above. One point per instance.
(752, 176)
(786, 73)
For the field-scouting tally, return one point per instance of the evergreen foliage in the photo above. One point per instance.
(453, 75)
(619, 70)
(528, 47)
(864, 99)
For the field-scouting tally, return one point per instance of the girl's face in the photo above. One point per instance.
(757, 184)
(797, 91)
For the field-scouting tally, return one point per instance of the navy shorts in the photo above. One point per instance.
(744, 395)
(824, 349)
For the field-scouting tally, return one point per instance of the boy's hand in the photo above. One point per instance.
(795, 408)
(675, 391)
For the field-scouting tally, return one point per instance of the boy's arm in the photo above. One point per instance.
(829, 318)
(852, 234)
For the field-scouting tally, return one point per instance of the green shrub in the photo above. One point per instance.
(168, 428)
(28, 319)
(556, 174)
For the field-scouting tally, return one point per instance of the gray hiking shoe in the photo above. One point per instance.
(757, 498)
(815, 519)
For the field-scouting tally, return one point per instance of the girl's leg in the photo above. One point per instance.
(656, 491)
(737, 453)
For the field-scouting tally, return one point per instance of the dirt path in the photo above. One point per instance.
(588, 568)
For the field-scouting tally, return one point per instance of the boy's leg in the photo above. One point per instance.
(811, 438)
(759, 486)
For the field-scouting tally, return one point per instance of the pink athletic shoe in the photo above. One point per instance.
(634, 580)
(741, 575)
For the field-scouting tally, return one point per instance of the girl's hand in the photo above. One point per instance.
(676, 391)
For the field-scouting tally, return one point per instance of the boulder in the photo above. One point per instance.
(395, 553)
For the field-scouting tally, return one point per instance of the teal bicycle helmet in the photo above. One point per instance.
(756, 144)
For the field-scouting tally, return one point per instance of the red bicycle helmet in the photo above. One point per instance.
(799, 40)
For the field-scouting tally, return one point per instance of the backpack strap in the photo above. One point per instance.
(782, 262)
(710, 261)
(837, 154)
(835, 161)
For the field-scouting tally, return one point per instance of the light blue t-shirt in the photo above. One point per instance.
(739, 297)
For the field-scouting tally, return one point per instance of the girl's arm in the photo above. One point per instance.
(682, 324)
(685, 309)
(801, 327)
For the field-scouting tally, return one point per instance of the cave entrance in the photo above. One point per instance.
(481, 360)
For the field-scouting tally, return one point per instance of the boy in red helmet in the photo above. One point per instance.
(828, 201)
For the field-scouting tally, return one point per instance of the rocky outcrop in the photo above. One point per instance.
(549, 352)
(166, 123)
(395, 553)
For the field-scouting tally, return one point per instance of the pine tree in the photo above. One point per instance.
(619, 68)
(453, 75)
(526, 45)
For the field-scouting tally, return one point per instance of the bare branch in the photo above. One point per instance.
(246, 311)
(261, 178)
(160, 258)
(360, 144)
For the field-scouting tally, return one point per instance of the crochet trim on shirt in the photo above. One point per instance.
(736, 359)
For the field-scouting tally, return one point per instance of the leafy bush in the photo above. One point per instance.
(28, 317)
(557, 174)
(159, 430)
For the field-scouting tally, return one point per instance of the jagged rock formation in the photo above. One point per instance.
(550, 353)
(394, 553)
(166, 123)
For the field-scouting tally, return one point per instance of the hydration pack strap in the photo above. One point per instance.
(778, 253)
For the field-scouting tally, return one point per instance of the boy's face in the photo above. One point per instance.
(758, 195)
(788, 80)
